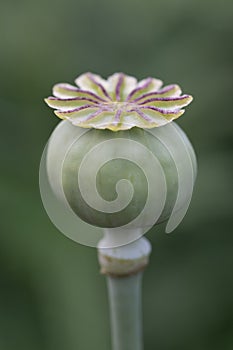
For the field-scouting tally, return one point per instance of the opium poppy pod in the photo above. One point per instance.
(122, 162)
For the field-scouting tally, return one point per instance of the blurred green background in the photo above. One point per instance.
(52, 296)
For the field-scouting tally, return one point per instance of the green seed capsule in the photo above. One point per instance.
(141, 150)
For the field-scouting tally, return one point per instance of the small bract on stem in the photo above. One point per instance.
(118, 162)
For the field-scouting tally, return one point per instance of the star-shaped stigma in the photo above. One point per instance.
(118, 103)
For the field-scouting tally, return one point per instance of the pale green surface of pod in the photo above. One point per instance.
(73, 144)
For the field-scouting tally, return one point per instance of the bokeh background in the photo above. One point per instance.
(52, 296)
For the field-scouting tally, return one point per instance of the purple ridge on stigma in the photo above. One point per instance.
(160, 110)
(73, 99)
(165, 99)
(92, 94)
(118, 86)
(141, 114)
(93, 115)
(117, 115)
(166, 88)
(77, 109)
(160, 92)
(142, 87)
(76, 89)
(90, 76)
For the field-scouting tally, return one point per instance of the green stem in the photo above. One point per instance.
(125, 311)
(123, 266)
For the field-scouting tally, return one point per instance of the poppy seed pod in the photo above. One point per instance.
(135, 177)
